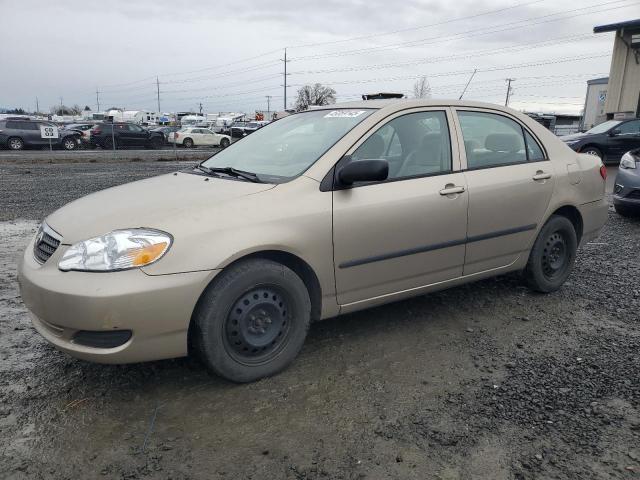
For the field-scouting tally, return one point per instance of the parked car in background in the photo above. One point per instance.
(198, 137)
(235, 130)
(232, 259)
(626, 188)
(253, 126)
(121, 134)
(165, 131)
(609, 140)
(84, 129)
(18, 134)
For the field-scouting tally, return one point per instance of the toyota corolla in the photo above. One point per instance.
(318, 214)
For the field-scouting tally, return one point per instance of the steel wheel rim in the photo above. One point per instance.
(592, 152)
(258, 325)
(555, 256)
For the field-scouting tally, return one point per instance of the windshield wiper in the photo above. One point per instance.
(252, 177)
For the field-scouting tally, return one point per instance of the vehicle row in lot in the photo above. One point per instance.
(626, 188)
(319, 214)
(195, 137)
(20, 134)
(609, 140)
(120, 134)
(242, 129)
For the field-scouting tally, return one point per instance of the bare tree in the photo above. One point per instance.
(314, 95)
(422, 89)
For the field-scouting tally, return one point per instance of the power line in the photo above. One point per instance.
(420, 27)
(479, 31)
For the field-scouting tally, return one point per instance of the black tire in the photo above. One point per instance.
(252, 321)
(156, 143)
(69, 143)
(187, 143)
(626, 211)
(553, 255)
(224, 143)
(108, 143)
(590, 150)
(15, 143)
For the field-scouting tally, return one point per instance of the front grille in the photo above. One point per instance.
(46, 243)
(635, 194)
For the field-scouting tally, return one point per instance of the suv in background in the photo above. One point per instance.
(609, 140)
(84, 129)
(18, 134)
(120, 134)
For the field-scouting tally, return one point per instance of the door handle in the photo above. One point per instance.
(540, 175)
(451, 189)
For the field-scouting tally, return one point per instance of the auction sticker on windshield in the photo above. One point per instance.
(344, 113)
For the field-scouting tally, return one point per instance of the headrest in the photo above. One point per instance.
(503, 142)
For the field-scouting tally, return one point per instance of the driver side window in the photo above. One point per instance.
(416, 144)
(630, 128)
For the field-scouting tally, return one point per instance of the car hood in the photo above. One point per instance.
(573, 137)
(165, 202)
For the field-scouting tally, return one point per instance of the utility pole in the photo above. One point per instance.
(158, 90)
(200, 108)
(98, 99)
(37, 106)
(268, 104)
(508, 80)
(285, 78)
(61, 112)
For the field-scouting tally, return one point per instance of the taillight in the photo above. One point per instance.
(176, 135)
(603, 172)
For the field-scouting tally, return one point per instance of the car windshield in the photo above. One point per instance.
(284, 149)
(603, 127)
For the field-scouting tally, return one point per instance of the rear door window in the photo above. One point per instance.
(491, 140)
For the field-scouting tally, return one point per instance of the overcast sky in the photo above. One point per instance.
(227, 55)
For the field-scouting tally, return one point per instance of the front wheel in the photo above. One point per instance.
(252, 321)
(156, 143)
(224, 143)
(592, 151)
(553, 255)
(187, 143)
(69, 143)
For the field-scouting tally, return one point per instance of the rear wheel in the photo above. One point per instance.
(188, 143)
(252, 320)
(224, 143)
(15, 143)
(552, 256)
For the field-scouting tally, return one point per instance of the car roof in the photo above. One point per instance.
(404, 103)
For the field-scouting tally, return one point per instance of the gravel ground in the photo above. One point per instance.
(487, 381)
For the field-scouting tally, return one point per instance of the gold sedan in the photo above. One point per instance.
(320, 213)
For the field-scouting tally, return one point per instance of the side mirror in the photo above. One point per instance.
(614, 132)
(363, 171)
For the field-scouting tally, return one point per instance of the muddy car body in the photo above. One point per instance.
(322, 213)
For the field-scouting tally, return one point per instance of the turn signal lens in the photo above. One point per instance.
(148, 254)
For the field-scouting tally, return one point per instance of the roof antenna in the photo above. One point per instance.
(467, 85)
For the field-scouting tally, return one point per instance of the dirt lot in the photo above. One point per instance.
(484, 381)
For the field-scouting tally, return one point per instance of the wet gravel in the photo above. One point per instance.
(488, 380)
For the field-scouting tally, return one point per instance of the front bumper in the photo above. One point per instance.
(626, 188)
(156, 309)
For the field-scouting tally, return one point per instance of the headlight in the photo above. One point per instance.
(117, 250)
(627, 161)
